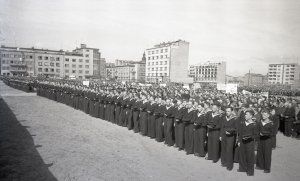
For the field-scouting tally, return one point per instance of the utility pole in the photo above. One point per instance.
(249, 78)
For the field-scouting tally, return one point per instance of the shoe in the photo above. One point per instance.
(239, 170)
(215, 161)
(250, 174)
(207, 158)
(258, 168)
(197, 154)
(267, 171)
(229, 169)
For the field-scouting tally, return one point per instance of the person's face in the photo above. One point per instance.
(179, 102)
(206, 106)
(189, 104)
(215, 108)
(265, 116)
(273, 112)
(168, 102)
(200, 108)
(248, 116)
(228, 111)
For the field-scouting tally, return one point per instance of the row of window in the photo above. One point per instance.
(281, 65)
(79, 60)
(160, 63)
(79, 71)
(17, 62)
(158, 51)
(58, 70)
(285, 79)
(157, 57)
(157, 68)
(271, 73)
(157, 74)
(74, 66)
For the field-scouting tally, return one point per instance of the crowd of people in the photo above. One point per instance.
(207, 123)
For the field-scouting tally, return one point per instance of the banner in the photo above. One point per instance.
(231, 88)
(163, 85)
(221, 87)
(266, 94)
(86, 82)
(197, 86)
(246, 92)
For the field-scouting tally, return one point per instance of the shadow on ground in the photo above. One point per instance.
(19, 158)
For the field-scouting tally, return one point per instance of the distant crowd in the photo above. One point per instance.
(204, 122)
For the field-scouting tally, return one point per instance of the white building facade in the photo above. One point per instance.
(167, 62)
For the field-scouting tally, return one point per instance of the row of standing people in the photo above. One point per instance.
(198, 128)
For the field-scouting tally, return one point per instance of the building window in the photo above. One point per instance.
(80, 60)
(57, 58)
(66, 70)
(40, 64)
(67, 65)
(87, 55)
(161, 56)
(166, 50)
(165, 68)
(80, 71)
(165, 62)
(40, 70)
(52, 64)
(73, 71)
(87, 66)
(40, 58)
(80, 66)
(46, 64)
(87, 61)
(73, 66)
(46, 69)
(57, 65)
(73, 60)
(166, 56)
(87, 72)
(46, 58)
(66, 59)
(57, 70)
(149, 58)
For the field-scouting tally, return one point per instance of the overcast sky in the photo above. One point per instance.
(248, 34)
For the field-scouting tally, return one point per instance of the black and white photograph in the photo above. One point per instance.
(149, 90)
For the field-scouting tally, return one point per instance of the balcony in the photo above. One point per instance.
(18, 65)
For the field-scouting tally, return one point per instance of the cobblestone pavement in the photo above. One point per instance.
(77, 146)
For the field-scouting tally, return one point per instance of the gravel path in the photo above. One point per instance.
(80, 147)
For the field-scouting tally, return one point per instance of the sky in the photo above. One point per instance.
(247, 34)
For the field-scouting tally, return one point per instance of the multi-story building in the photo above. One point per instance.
(287, 74)
(102, 68)
(83, 62)
(110, 69)
(16, 62)
(235, 80)
(251, 79)
(131, 72)
(168, 62)
(92, 58)
(209, 72)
